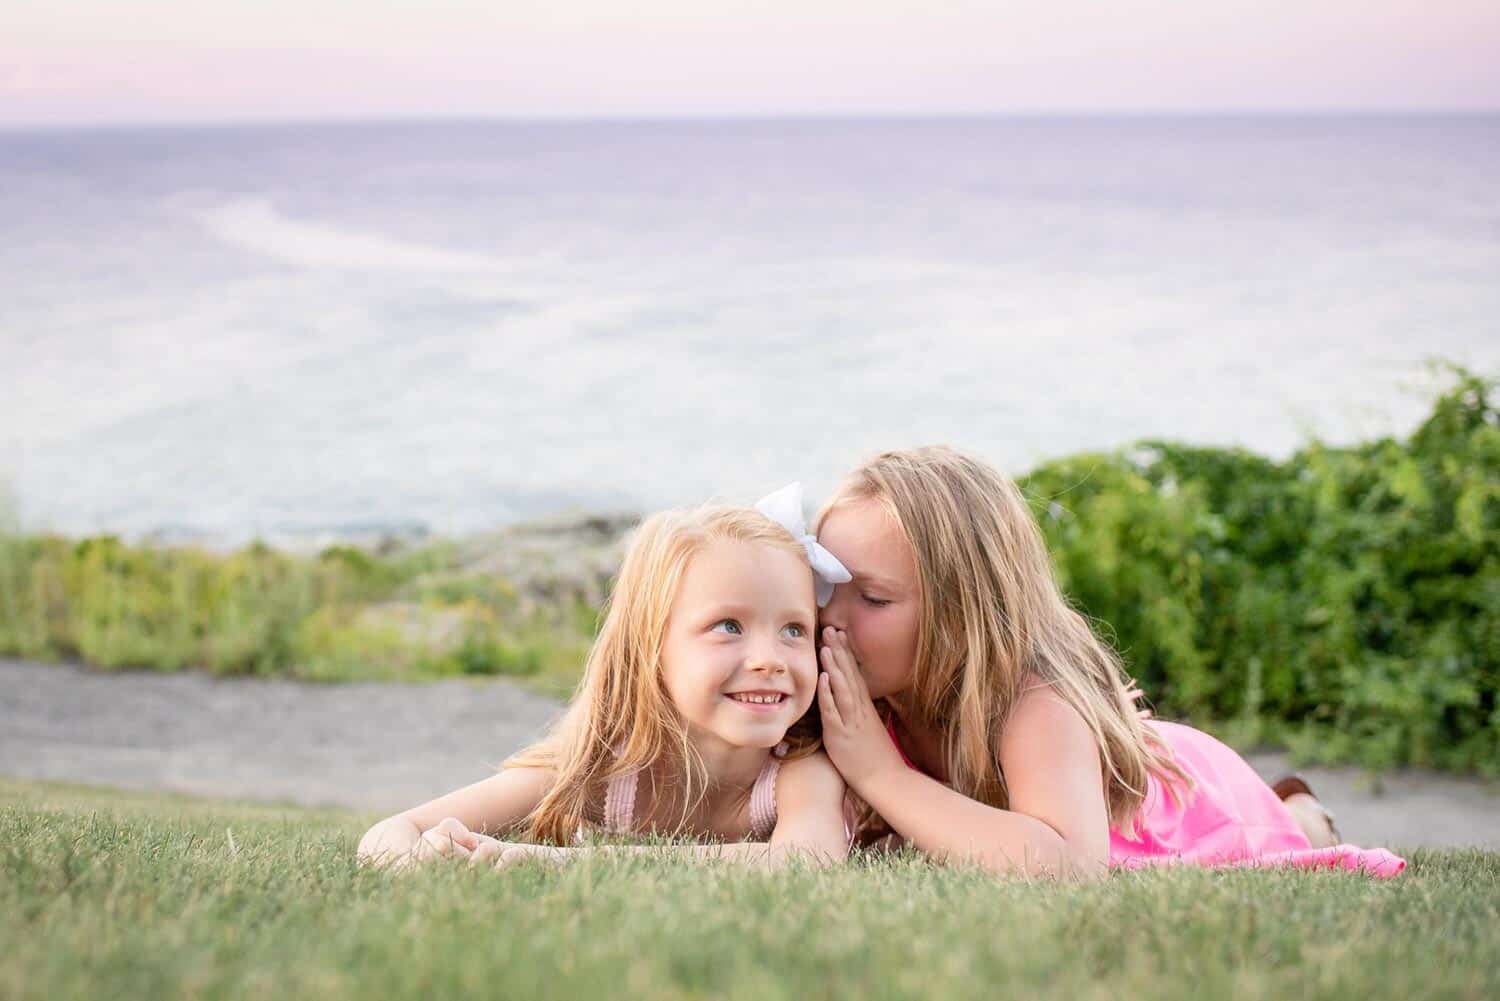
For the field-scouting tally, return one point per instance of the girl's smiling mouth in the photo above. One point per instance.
(759, 701)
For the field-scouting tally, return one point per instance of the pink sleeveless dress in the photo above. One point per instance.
(1231, 818)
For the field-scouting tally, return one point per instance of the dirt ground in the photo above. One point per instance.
(381, 747)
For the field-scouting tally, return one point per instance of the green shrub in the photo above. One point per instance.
(1346, 600)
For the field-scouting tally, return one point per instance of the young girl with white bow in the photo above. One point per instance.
(683, 722)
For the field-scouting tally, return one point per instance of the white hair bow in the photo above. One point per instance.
(785, 508)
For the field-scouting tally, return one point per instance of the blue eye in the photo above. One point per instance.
(732, 627)
(796, 631)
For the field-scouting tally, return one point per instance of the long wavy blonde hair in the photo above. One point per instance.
(621, 718)
(994, 622)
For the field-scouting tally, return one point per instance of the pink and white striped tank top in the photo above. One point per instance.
(619, 800)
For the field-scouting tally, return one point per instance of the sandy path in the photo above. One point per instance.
(380, 747)
(377, 747)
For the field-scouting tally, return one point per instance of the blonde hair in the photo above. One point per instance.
(621, 718)
(994, 622)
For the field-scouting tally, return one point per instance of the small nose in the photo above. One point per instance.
(768, 665)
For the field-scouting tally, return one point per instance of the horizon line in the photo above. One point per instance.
(566, 118)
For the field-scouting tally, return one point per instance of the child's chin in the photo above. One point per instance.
(767, 734)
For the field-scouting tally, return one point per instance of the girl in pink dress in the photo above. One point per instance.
(977, 714)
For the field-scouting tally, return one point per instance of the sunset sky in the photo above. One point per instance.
(103, 61)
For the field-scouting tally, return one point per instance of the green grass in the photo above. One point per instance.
(130, 895)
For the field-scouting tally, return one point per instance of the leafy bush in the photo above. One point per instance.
(1345, 601)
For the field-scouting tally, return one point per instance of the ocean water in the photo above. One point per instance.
(321, 330)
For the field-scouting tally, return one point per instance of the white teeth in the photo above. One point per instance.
(757, 699)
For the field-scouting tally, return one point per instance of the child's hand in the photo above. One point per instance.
(500, 854)
(853, 734)
(450, 839)
(389, 843)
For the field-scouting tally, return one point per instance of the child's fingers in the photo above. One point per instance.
(836, 643)
(848, 684)
(487, 851)
(444, 844)
(441, 846)
(859, 700)
(827, 706)
(832, 661)
(455, 829)
(843, 652)
(833, 674)
(839, 692)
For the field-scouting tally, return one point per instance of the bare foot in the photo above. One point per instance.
(1315, 821)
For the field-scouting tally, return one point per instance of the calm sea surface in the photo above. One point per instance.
(318, 329)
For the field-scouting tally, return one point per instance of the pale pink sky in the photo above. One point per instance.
(201, 60)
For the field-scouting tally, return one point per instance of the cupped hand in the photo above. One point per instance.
(853, 734)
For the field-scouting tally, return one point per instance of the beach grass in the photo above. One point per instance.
(142, 895)
(342, 615)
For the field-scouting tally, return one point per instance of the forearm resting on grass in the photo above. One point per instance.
(951, 827)
(1058, 824)
(491, 806)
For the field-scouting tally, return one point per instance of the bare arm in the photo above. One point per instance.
(809, 825)
(495, 804)
(1058, 822)
(810, 811)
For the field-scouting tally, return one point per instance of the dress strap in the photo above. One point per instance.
(890, 728)
(619, 802)
(763, 797)
(620, 794)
